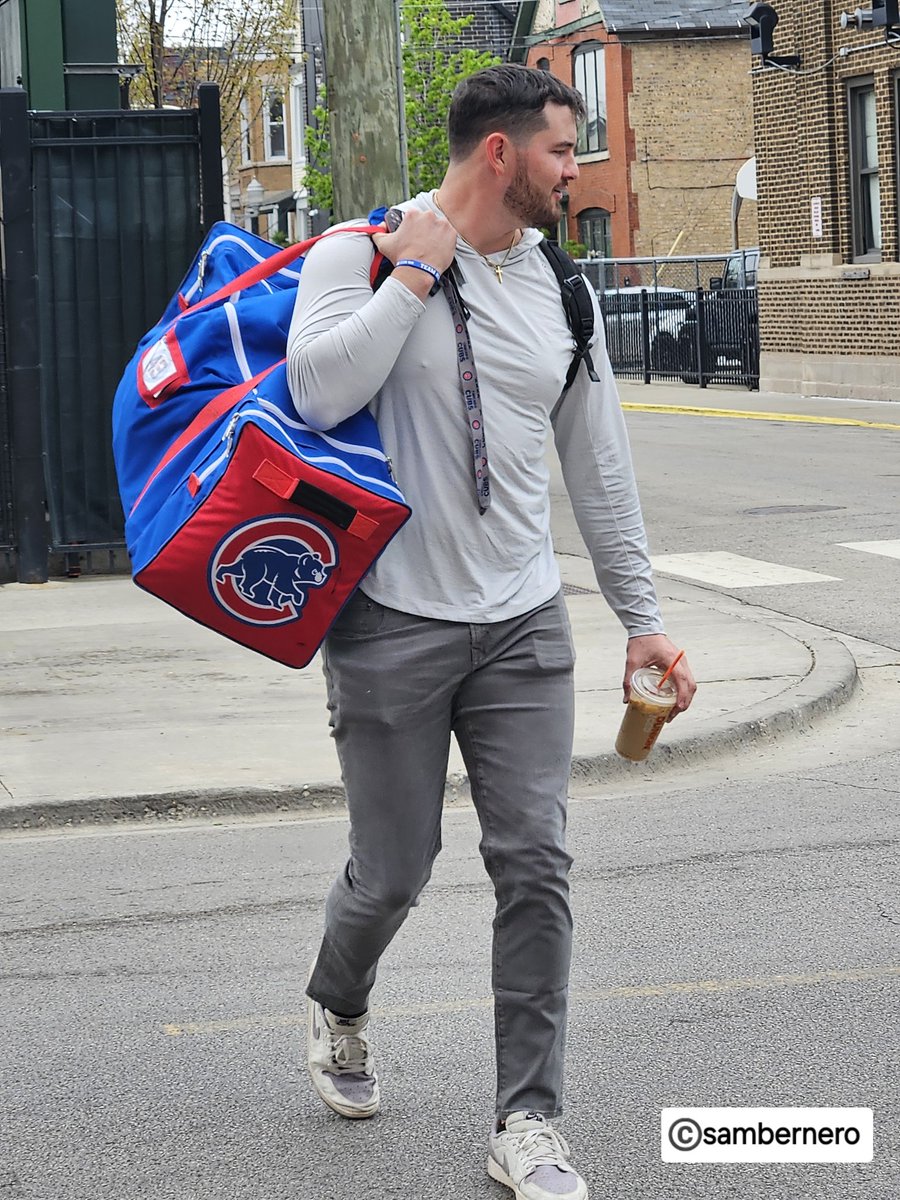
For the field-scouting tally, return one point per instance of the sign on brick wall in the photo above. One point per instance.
(815, 212)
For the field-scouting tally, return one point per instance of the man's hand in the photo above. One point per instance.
(427, 236)
(656, 650)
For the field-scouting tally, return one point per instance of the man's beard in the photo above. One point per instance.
(530, 206)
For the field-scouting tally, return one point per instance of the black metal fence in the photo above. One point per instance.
(697, 337)
(111, 207)
(738, 268)
(6, 493)
(689, 319)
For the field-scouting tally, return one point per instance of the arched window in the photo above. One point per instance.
(594, 231)
(589, 72)
(543, 64)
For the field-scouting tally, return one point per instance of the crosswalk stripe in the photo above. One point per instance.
(890, 549)
(734, 570)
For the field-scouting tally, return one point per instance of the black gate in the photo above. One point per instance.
(119, 202)
(6, 500)
(699, 336)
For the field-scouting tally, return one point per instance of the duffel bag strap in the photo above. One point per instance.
(211, 412)
(272, 265)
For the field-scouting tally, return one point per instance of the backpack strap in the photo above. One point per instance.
(381, 269)
(578, 306)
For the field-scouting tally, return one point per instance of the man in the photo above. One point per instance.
(460, 627)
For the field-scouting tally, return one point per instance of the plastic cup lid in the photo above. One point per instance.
(645, 682)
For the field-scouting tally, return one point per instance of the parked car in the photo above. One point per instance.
(667, 311)
(741, 268)
(730, 326)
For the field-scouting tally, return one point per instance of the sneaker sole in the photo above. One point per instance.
(352, 1114)
(496, 1172)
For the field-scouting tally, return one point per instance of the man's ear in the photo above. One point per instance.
(498, 152)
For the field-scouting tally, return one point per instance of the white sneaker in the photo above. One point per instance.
(530, 1157)
(340, 1062)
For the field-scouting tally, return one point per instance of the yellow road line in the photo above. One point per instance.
(800, 418)
(693, 987)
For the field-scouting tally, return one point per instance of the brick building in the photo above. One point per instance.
(263, 164)
(827, 155)
(670, 120)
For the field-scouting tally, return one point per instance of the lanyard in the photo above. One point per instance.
(468, 378)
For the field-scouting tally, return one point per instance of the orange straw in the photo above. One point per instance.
(672, 665)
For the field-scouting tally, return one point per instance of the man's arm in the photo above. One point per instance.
(592, 442)
(344, 341)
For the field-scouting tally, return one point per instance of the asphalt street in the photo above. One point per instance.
(735, 945)
(785, 492)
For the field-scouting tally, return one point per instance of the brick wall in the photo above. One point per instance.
(604, 182)
(813, 304)
(691, 112)
(832, 316)
(491, 30)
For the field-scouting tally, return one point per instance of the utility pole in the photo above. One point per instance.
(361, 56)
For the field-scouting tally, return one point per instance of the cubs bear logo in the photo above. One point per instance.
(262, 571)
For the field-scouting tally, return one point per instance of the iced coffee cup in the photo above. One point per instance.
(647, 711)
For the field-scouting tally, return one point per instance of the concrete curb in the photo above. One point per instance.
(830, 683)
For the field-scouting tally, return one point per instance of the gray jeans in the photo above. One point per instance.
(398, 685)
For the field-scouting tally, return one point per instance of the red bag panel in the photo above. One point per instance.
(261, 570)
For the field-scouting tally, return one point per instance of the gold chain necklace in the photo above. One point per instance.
(496, 267)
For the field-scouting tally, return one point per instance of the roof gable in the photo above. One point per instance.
(649, 15)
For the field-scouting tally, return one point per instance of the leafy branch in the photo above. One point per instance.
(317, 176)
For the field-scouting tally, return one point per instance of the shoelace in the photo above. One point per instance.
(350, 1052)
(542, 1148)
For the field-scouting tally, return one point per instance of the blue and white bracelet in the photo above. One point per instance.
(421, 266)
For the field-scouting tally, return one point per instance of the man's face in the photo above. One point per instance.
(544, 166)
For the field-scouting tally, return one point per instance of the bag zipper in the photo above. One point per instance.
(229, 434)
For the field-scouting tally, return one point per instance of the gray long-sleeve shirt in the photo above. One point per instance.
(348, 348)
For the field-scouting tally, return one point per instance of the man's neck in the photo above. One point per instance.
(488, 227)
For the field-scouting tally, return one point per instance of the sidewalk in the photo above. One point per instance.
(115, 707)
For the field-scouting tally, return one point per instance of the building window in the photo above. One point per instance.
(590, 80)
(864, 183)
(594, 232)
(246, 142)
(276, 142)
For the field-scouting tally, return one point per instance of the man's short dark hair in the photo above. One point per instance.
(509, 99)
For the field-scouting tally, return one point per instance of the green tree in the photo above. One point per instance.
(433, 65)
(183, 43)
(317, 176)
